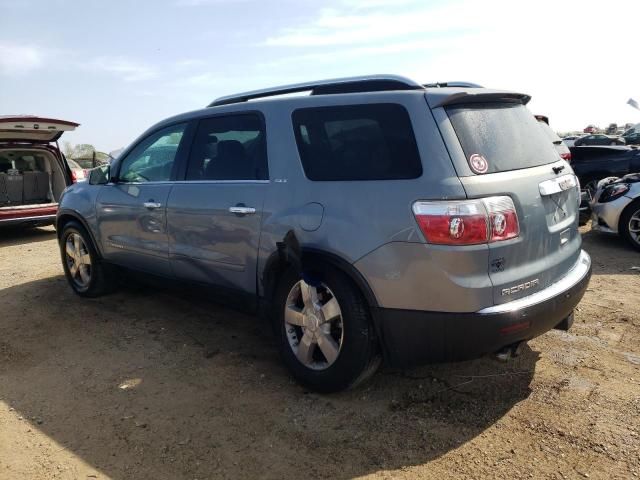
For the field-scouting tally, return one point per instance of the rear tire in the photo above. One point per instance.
(87, 275)
(343, 320)
(629, 225)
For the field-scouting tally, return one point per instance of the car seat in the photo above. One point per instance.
(231, 163)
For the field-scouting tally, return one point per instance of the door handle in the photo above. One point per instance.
(241, 210)
(152, 205)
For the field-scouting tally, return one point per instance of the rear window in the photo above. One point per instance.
(357, 142)
(507, 135)
(550, 134)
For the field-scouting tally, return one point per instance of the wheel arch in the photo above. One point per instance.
(65, 216)
(635, 203)
(276, 266)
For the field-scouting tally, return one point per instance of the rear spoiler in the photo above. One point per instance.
(452, 96)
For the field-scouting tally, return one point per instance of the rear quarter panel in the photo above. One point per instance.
(358, 217)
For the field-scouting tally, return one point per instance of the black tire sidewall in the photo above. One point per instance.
(359, 343)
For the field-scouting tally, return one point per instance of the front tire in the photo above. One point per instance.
(629, 226)
(324, 331)
(83, 268)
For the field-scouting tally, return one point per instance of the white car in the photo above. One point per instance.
(615, 207)
(78, 174)
(570, 140)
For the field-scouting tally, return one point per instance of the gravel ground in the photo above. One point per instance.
(151, 384)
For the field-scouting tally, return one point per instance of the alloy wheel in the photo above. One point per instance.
(313, 325)
(634, 226)
(78, 260)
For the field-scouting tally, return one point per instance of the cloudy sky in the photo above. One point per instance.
(118, 66)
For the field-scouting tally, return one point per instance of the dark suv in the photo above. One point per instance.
(374, 218)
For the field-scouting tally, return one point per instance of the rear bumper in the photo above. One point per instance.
(41, 214)
(411, 337)
(32, 221)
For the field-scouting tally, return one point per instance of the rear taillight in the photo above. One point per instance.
(467, 222)
(503, 219)
(566, 156)
(78, 175)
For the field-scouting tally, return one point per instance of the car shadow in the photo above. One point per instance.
(606, 251)
(149, 383)
(11, 236)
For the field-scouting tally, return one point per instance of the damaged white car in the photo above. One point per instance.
(615, 207)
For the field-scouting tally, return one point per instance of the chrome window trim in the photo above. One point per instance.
(573, 277)
(181, 182)
(221, 181)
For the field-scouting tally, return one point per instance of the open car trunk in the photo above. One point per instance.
(33, 173)
(30, 178)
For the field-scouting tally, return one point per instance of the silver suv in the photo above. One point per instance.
(373, 219)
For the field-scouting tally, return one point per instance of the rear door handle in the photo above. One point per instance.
(152, 205)
(242, 210)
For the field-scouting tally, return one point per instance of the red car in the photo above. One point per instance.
(590, 129)
(33, 171)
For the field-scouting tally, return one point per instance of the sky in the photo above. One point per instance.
(117, 67)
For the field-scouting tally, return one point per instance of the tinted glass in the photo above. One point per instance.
(550, 134)
(506, 134)
(229, 147)
(357, 142)
(152, 159)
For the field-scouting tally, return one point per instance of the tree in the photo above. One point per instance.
(67, 149)
(83, 150)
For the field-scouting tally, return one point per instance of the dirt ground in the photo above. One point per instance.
(160, 384)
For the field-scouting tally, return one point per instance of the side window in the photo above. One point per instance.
(152, 159)
(230, 147)
(357, 142)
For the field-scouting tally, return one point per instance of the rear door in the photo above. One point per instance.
(29, 128)
(131, 212)
(39, 131)
(519, 162)
(214, 215)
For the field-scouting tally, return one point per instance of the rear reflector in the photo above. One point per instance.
(467, 222)
(566, 156)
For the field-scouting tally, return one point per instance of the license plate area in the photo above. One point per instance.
(557, 200)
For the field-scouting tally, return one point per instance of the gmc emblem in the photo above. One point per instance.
(519, 288)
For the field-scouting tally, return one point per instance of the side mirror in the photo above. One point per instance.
(100, 175)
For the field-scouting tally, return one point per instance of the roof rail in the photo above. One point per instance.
(452, 84)
(369, 83)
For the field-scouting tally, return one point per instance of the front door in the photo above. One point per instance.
(214, 216)
(131, 212)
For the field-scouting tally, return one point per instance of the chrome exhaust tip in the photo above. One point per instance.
(510, 351)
